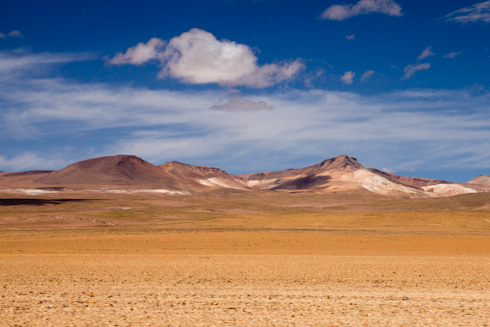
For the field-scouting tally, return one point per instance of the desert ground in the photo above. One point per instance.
(232, 258)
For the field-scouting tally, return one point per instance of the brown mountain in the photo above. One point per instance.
(121, 170)
(22, 179)
(321, 176)
(125, 171)
(346, 173)
(332, 175)
(201, 177)
(336, 174)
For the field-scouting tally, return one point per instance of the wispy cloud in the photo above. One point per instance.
(162, 125)
(30, 160)
(350, 37)
(412, 69)
(238, 104)
(14, 33)
(20, 61)
(348, 77)
(341, 12)
(197, 57)
(139, 54)
(309, 78)
(366, 75)
(426, 53)
(423, 128)
(452, 55)
(478, 12)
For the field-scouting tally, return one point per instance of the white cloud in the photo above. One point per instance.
(158, 148)
(162, 125)
(197, 57)
(478, 12)
(304, 122)
(423, 128)
(426, 53)
(348, 77)
(29, 160)
(14, 33)
(366, 75)
(341, 12)
(238, 104)
(350, 37)
(23, 62)
(139, 54)
(452, 55)
(412, 69)
(309, 78)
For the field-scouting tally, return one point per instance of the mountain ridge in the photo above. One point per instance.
(336, 174)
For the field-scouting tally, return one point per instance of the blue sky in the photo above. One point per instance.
(248, 85)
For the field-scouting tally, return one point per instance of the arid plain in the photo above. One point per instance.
(235, 258)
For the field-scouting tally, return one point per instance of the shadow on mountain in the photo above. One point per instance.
(308, 182)
(37, 202)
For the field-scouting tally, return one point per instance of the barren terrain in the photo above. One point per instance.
(233, 258)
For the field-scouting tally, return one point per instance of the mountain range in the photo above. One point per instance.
(128, 172)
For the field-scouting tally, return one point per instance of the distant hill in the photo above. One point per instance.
(113, 170)
(201, 177)
(338, 174)
(321, 176)
(332, 175)
(481, 180)
(22, 179)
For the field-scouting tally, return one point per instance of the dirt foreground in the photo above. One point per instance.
(221, 279)
(195, 275)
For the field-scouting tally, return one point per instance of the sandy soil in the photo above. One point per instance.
(211, 262)
(221, 279)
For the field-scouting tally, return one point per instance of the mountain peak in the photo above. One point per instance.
(341, 161)
(108, 161)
